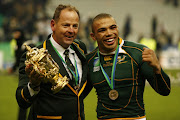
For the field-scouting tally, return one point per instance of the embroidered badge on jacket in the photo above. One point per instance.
(121, 59)
(96, 64)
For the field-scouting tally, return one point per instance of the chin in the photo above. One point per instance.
(68, 42)
(111, 49)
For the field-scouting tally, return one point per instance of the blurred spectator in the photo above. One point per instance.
(175, 3)
(17, 47)
(154, 23)
(16, 44)
(127, 27)
(167, 1)
(149, 42)
(170, 43)
(162, 36)
(179, 44)
(91, 43)
(22, 13)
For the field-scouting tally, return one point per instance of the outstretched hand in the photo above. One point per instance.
(150, 57)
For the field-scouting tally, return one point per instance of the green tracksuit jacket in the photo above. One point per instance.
(130, 77)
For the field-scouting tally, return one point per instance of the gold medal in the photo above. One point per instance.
(113, 94)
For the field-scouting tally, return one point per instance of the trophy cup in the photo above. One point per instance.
(45, 66)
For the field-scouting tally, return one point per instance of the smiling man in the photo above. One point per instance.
(105, 31)
(118, 70)
(67, 104)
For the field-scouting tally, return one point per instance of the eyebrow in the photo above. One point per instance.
(103, 28)
(114, 25)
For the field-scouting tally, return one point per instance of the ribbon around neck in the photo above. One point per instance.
(76, 74)
(111, 82)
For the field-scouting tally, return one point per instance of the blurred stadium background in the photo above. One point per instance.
(33, 16)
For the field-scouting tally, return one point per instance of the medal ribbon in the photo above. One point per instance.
(76, 74)
(110, 82)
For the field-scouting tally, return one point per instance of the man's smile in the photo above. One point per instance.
(109, 41)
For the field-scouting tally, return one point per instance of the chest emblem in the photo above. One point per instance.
(121, 59)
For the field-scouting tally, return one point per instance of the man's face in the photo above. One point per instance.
(106, 34)
(66, 28)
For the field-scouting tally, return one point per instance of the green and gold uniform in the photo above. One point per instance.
(130, 77)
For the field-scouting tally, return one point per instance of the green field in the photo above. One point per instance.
(157, 107)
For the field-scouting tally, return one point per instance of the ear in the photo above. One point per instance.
(93, 36)
(53, 25)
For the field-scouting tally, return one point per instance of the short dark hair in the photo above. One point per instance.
(62, 7)
(98, 17)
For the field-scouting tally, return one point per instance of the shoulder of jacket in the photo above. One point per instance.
(80, 45)
(134, 50)
(91, 55)
(129, 45)
(79, 42)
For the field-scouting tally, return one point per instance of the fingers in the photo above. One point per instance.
(28, 68)
(150, 57)
(35, 78)
(147, 51)
(34, 74)
(147, 55)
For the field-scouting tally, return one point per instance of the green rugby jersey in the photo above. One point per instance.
(130, 76)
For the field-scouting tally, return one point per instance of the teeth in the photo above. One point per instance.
(110, 40)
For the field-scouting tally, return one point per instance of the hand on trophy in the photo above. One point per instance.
(35, 78)
(40, 67)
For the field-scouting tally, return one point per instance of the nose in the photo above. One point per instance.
(71, 29)
(108, 33)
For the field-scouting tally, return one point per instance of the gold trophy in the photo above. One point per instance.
(44, 65)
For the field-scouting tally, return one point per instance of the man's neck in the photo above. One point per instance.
(110, 53)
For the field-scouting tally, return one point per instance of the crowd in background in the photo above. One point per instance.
(174, 3)
(31, 16)
(160, 39)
